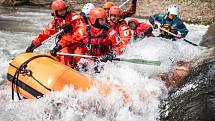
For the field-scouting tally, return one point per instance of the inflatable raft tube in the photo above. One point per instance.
(33, 75)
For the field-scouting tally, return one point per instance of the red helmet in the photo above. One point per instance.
(96, 13)
(58, 5)
(115, 10)
(135, 21)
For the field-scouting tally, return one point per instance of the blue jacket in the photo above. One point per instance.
(177, 24)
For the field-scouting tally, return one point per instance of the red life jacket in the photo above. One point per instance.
(97, 43)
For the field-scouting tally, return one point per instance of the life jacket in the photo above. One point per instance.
(59, 22)
(168, 27)
(117, 28)
(116, 25)
(124, 36)
(97, 44)
(58, 26)
(72, 18)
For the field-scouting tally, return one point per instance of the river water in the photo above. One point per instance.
(18, 26)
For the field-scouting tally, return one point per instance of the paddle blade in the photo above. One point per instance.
(141, 61)
(190, 42)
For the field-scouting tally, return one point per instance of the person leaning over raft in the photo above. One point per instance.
(170, 22)
(62, 19)
(140, 29)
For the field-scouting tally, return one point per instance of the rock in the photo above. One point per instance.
(209, 38)
(25, 2)
(13, 2)
(195, 101)
(40, 2)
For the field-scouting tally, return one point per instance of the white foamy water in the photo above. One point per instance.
(141, 81)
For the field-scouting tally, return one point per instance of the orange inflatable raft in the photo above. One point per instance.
(33, 75)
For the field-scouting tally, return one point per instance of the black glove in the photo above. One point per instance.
(134, 1)
(109, 57)
(103, 48)
(67, 28)
(55, 50)
(106, 27)
(30, 48)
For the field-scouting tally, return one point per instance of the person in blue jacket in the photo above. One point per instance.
(169, 22)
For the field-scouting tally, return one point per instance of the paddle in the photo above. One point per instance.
(139, 61)
(124, 3)
(176, 35)
(76, 55)
(136, 61)
(54, 35)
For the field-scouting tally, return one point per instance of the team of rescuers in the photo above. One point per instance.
(102, 31)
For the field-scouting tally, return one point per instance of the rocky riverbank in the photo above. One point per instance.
(25, 2)
(192, 11)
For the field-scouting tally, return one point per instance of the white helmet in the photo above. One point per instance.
(172, 9)
(87, 7)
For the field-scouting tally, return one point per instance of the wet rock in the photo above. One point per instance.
(25, 2)
(175, 78)
(13, 2)
(209, 38)
(40, 2)
(195, 101)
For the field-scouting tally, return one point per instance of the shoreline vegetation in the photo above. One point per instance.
(191, 11)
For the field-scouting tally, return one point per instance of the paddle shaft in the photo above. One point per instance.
(49, 39)
(124, 3)
(176, 35)
(139, 61)
(136, 61)
(52, 36)
(76, 55)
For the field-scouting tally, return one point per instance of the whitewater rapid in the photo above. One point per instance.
(20, 25)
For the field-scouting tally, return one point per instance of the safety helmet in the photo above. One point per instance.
(58, 5)
(115, 10)
(87, 7)
(96, 13)
(173, 9)
(108, 5)
(135, 21)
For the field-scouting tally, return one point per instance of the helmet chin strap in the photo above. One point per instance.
(59, 16)
(98, 25)
(168, 14)
(113, 21)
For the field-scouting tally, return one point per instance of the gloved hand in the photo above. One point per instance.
(30, 48)
(142, 35)
(134, 1)
(55, 50)
(103, 48)
(67, 28)
(155, 26)
(109, 57)
(106, 27)
(179, 36)
(135, 37)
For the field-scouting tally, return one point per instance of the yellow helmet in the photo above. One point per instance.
(108, 5)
